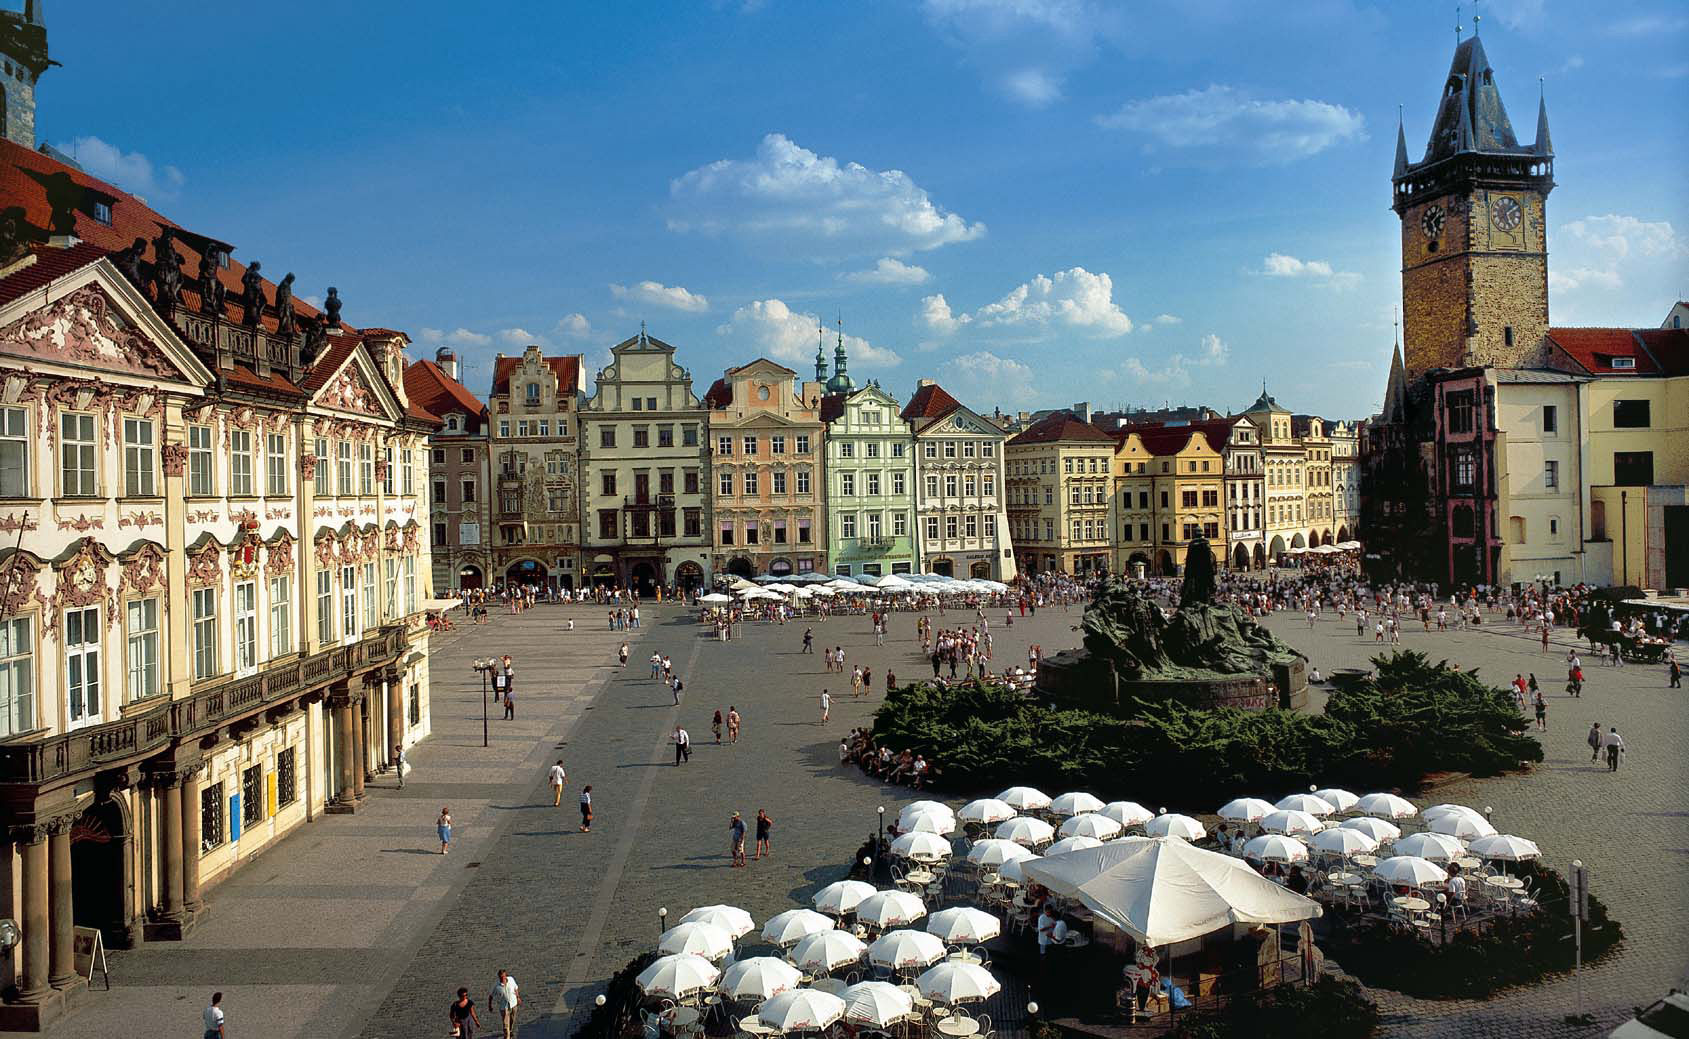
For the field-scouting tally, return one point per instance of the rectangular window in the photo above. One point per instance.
(970, 525)
(366, 469)
(847, 483)
(802, 444)
(847, 449)
(349, 602)
(139, 455)
(751, 481)
(751, 445)
(967, 449)
(545, 427)
(780, 532)
(777, 444)
(873, 482)
(252, 795)
(1633, 468)
(1551, 474)
(607, 523)
(950, 486)
(393, 586)
(689, 481)
(991, 524)
(211, 830)
(641, 436)
(872, 449)
(1211, 499)
(371, 616)
(141, 628)
(606, 436)
(82, 665)
(78, 449)
(205, 633)
(665, 436)
(319, 476)
(969, 487)
(950, 526)
(522, 427)
(898, 481)
(287, 778)
(1460, 411)
(246, 626)
(874, 526)
(694, 523)
(726, 481)
(1550, 418)
(387, 471)
(897, 449)
(932, 486)
(950, 449)
(343, 470)
(779, 481)
(726, 533)
(724, 446)
(1465, 469)
(275, 463)
(639, 404)
(17, 676)
(14, 453)
(803, 532)
(325, 606)
(847, 525)
(411, 601)
(468, 491)
(752, 534)
(241, 463)
(1630, 414)
(932, 528)
(899, 524)
(504, 429)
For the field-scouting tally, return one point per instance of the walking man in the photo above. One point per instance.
(682, 745)
(1615, 746)
(826, 705)
(557, 776)
(1594, 741)
(586, 808)
(213, 1017)
(736, 828)
(503, 1001)
(1675, 670)
(399, 763)
(732, 724)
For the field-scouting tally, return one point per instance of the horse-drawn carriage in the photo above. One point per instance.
(1636, 649)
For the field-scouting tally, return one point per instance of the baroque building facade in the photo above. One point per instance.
(458, 474)
(1059, 478)
(961, 523)
(870, 473)
(534, 448)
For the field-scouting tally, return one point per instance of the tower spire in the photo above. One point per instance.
(1543, 145)
(1401, 145)
(820, 353)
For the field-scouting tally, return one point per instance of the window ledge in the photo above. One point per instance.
(141, 499)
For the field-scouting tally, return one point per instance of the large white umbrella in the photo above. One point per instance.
(823, 591)
(1436, 812)
(1127, 813)
(903, 949)
(1024, 798)
(1011, 870)
(841, 896)
(876, 1004)
(955, 981)
(884, 909)
(1345, 841)
(786, 929)
(1074, 803)
(1284, 821)
(1387, 806)
(1245, 809)
(922, 846)
(1275, 847)
(927, 822)
(964, 924)
(1024, 829)
(916, 807)
(1504, 847)
(827, 951)
(1174, 824)
(732, 919)
(1410, 870)
(715, 597)
(1433, 847)
(1076, 843)
(986, 811)
(758, 978)
(1313, 804)
(1337, 797)
(1466, 827)
(1090, 824)
(1377, 829)
(801, 1010)
(676, 977)
(700, 939)
(993, 852)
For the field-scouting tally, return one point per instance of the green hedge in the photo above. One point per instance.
(1388, 731)
(1330, 1009)
(621, 1001)
(1513, 950)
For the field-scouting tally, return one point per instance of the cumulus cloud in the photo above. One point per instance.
(656, 294)
(1280, 265)
(1074, 298)
(988, 379)
(456, 337)
(1605, 252)
(1024, 49)
(131, 171)
(1034, 88)
(890, 271)
(770, 327)
(786, 192)
(1223, 121)
(574, 325)
(1211, 352)
(516, 336)
(1168, 319)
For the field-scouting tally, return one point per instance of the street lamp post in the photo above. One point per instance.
(662, 919)
(1032, 1019)
(485, 666)
(882, 814)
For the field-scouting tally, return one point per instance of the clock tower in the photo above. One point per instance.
(1474, 235)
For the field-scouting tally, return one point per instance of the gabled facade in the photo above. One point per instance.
(1284, 461)
(1059, 478)
(534, 448)
(961, 523)
(458, 468)
(870, 474)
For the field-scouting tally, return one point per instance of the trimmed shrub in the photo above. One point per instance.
(1329, 1008)
(621, 1000)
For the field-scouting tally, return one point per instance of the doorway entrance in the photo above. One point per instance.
(100, 873)
(642, 578)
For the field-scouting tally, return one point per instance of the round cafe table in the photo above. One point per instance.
(918, 876)
(964, 956)
(1410, 903)
(1346, 879)
(1468, 862)
(1504, 883)
(921, 1002)
(957, 1027)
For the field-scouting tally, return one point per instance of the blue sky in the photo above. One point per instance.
(1035, 201)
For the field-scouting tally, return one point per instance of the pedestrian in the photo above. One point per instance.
(503, 1001)
(732, 724)
(1675, 672)
(826, 705)
(509, 704)
(1615, 746)
(622, 655)
(1532, 684)
(399, 765)
(809, 640)
(443, 826)
(557, 777)
(736, 832)
(1594, 740)
(715, 725)
(213, 1017)
(764, 824)
(675, 687)
(656, 665)
(682, 745)
(1542, 712)
(463, 1017)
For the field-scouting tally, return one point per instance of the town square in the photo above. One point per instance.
(512, 536)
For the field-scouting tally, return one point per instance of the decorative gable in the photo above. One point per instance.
(86, 327)
(350, 391)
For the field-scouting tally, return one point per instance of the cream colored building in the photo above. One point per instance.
(1538, 490)
(1059, 474)
(961, 525)
(1284, 463)
(534, 419)
(1345, 480)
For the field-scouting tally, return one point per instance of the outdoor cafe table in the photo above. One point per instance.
(1505, 883)
(1346, 879)
(1410, 904)
(957, 1027)
(964, 956)
(1366, 861)
(1468, 862)
(918, 876)
(921, 1002)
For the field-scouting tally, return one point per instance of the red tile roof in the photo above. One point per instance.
(272, 384)
(1669, 347)
(567, 369)
(431, 389)
(929, 402)
(1062, 426)
(339, 348)
(1170, 440)
(719, 395)
(49, 265)
(1594, 349)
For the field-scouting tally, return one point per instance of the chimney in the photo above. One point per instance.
(919, 383)
(447, 360)
(1083, 410)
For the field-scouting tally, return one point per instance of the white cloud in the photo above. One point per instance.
(656, 294)
(1621, 236)
(574, 325)
(772, 328)
(1168, 319)
(1280, 265)
(456, 337)
(1562, 278)
(516, 336)
(1213, 351)
(789, 192)
(889, 271)
(1607, 252)
(131, 171)
(1075, 298)
(1223, 121)
(1035, 88)
(988, 380)
(1024, 48)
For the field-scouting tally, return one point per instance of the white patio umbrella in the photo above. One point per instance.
(676, 977)
(841, 896)
(1377, 829)
(1246, 809)
(1313, 804)
(877, 1004)
(993, 852)
(884, 909)
(1024, 829)
(1024, 798)
(715, 597)
(1438, 811)
(1013, 871)
(1127, 813)
(1466, 827)
(921, 846)
(1074, 803)
(1504, 847)
(1345, 841)
(732, 919)
(904, 949)
(801, 1010)
(916, 807)
(758, 978)
(1337, 798)
(1410, 870)
(927, 822)
(822, 590)
(1174, 824)
(1348, 546)
(954, 981)
(700, 939)
(1067, 844)
(964, 924)
(1290, 821)
(986, 811)
(1090, 824)
(827, 951)
(1275, 847)
(1387, 806)
(786, 929)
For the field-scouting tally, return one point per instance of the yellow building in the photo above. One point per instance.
(1187, 478)
(1058, 479)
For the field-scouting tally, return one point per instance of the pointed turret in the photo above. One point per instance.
(840, 382)
(1401, 145)
(1543, 145)
(1471, 116)
(821, 354)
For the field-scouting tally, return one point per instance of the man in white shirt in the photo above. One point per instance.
(557, 776)
(503, 1001)
(682, 745)
(1457, 889)
(1046, 929)
(1615, 746)
(213, 1017)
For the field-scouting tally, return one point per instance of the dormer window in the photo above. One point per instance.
(451, 424)
(102, 212)
(1624, 363)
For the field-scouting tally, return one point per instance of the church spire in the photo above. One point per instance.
(840, 382)
(1543, 145)
(820, 353)
(1401, 145)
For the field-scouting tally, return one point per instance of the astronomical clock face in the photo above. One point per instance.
(1506, 214)
(1431, 221)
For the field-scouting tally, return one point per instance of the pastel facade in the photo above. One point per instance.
(534, 452)
(961, 523)
(870, 473)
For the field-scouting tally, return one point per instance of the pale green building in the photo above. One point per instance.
(870, 472)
